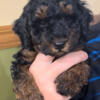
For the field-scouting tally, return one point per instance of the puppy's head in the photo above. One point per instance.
(56, 26)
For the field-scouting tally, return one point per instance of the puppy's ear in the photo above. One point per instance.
(85, 18)
(22, 29)
(66, 8)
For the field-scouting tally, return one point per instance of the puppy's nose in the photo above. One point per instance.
(59, 45)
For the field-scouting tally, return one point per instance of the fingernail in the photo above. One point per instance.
(84, 55)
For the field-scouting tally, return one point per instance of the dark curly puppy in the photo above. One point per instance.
(54, 27)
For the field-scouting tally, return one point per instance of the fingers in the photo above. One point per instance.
(43, 58)
(41, 61)
(44, 63)
(66, 62)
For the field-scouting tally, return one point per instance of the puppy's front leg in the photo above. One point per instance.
(71, 82)
(25, 87)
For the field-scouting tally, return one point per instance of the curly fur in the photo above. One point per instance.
(43, 26)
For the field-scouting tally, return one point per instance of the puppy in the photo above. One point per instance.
(53, 27)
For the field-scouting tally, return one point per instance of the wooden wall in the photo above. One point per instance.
(7, 38)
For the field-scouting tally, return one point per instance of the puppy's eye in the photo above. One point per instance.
(41, 12)
(66, 8)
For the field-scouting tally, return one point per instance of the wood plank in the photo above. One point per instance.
(8, 38)
(7, 27)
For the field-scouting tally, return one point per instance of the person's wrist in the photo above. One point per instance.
(53, 96)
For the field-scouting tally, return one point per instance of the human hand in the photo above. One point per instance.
(45, 72)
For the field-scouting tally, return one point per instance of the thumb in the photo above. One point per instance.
(41, 58)
(64, 63)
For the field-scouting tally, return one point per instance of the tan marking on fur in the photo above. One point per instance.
(75, 78)
(26, 88)
(41, 12)
(27, 52)
(17, 96)
(54, 49)
(66, 47)
(68, 9)
(28, 55)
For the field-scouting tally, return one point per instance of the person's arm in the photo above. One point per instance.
(45, 72)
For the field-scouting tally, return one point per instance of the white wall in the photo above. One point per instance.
(94, 5)
(11, 9)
